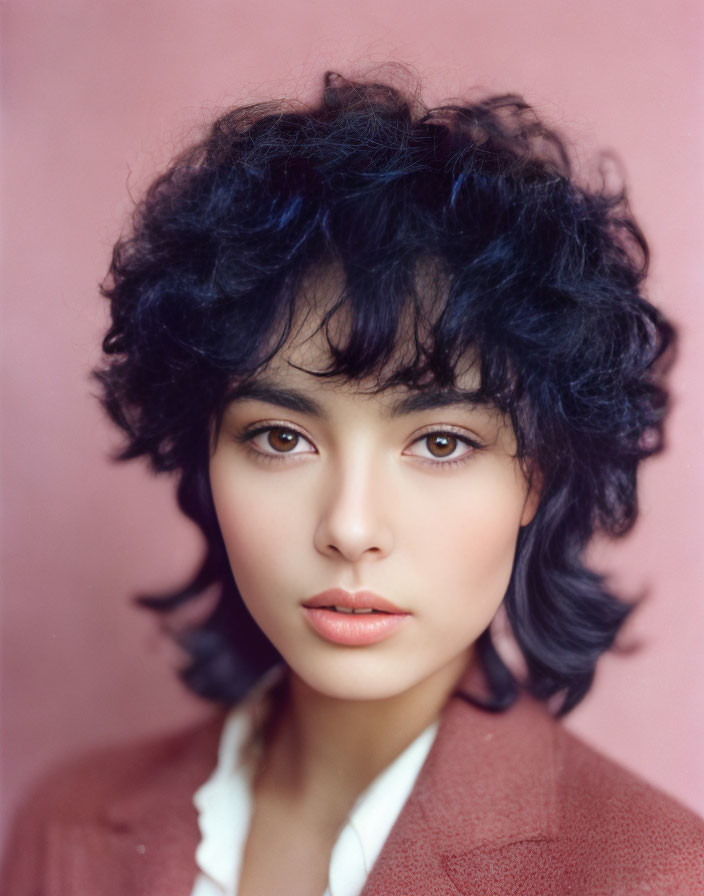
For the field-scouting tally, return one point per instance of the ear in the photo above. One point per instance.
(533, 496)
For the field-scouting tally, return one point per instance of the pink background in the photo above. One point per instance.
(96, 96)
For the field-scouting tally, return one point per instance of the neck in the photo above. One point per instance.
(326, 749)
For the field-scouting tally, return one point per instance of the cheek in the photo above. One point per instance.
(245, 523)
(262, 526)
(470, 544)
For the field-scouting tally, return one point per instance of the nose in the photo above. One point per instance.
(354, 520)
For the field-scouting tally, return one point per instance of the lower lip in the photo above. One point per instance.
(353, 629)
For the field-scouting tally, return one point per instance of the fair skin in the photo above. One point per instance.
(321, 484)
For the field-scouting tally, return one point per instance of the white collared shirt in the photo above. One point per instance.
(224, 805)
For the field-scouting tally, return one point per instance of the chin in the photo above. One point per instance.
(357, 692)
(356, 681)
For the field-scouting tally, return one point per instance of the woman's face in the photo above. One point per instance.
(320, 487)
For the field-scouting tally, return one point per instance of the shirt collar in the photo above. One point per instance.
(224, 802)
(373, 815)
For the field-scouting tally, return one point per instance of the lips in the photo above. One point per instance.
(350, 601)
(353, 619)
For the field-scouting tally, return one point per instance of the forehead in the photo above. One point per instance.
(301, 363)
(324, 323)
(294, 378)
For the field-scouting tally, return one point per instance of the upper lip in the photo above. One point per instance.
(357, 600)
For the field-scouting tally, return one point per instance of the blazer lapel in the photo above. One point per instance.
(478, 820)
(96, 859)
(143, 843)
(485, 791)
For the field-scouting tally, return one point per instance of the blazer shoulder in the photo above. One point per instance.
(84, 789)
(638, 831)
(80, 786)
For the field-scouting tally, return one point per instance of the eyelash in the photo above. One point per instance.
(249, 435)
(246, 438)
(471, 445)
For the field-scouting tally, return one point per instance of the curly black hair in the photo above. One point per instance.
(538, 275)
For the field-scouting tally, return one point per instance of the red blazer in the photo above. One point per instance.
(504, 804)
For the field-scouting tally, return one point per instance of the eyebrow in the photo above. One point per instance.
(437, 398)
(293, 400)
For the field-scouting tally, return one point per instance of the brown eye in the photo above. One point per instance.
(282, 440)
(441, 444)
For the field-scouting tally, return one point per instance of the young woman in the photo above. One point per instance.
(401, 364)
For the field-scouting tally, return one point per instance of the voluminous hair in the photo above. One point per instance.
(465, 220)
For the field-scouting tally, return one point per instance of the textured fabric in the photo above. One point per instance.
(224, 805)
(507, 803)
